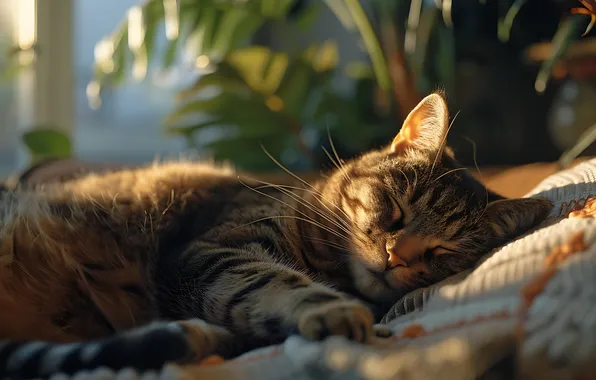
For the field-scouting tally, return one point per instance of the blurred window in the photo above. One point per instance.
(127, 127)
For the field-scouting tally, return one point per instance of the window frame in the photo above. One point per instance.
(45, 89)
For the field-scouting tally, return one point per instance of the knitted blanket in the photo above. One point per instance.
(528, 308)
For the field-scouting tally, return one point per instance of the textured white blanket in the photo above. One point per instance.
(533, 300)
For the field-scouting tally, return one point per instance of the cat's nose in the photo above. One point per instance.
(403, 251)
(394, 260)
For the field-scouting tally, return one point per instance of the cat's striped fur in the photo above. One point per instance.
(102, 254)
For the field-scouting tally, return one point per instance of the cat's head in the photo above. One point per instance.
(414, 215)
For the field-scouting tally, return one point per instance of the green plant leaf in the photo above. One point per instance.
(211, 106)
(341, 11)
(248, 113)
(353, 17)
(428, 28)
(274, 9)
(225, 78)
(120, 58)
(326, 57)
(191, 129)
(154, 15)
(570, 29)
(247, 153)
(170, 53)
(584, 142)
(295, 86)
(261, 68)
(309, 16)
(371, 43)
(225, 35)
(444, 59)
(206, 29)
(213, 27)
(505, 24)
(359, 70)
(47, 143)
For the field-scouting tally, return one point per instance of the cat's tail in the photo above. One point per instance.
(143, 349)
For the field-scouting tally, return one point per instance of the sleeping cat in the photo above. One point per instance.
(236, 260)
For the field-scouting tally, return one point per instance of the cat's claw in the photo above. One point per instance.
(345, 318)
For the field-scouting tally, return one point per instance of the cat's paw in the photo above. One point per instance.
(346, 318)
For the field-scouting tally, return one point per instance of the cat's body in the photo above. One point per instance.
(105, 253)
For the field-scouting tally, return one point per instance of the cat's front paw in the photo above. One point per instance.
(346, 318)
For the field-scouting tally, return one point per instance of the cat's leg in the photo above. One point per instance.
(142, 349)
(248, 293)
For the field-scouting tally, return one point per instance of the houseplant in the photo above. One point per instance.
(284, 100)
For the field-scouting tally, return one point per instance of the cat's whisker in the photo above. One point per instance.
(312, 188)
(337, 253)
(295, 176)
(311, 207)
(333, 148)
(286, 169)
(449, 172)
(342, 168)
(336, 245)
(290, 217)
(323, 227)
(315, 193)
(342, 222)
(415, 181)
(443, 142)
(478, 168)
(331, 158)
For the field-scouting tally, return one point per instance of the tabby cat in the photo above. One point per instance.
(98, 257)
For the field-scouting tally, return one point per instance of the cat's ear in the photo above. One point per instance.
(425, 127)
(508, 218)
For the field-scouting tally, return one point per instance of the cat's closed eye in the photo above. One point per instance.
(397, 218)
(397, 225)
(436, 251)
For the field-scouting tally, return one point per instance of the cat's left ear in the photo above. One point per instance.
(506, 219)
(424, 129)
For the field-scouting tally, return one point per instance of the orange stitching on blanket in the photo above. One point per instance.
(531, 290)
(417, 330)
(587, 211)
(579, 208)
(211, 360)
(573, 205)
(413, 331)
